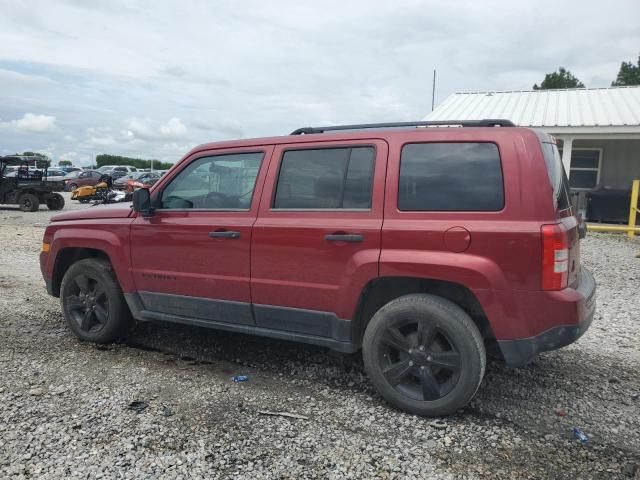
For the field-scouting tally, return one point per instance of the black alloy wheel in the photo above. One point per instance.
(92, 301)
(424, 354)
(87, 304)
(419, 359)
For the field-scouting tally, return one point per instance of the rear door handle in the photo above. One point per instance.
(224, 234)
(344, 237)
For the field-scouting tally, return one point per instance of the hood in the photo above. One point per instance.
(116, 210)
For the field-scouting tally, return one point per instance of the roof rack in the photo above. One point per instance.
(487, 122)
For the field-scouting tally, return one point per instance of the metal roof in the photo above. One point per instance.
(578, 107)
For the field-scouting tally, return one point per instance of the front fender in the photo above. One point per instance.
(112, 239)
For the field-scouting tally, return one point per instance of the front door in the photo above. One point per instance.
(316, 242)
(191, 258)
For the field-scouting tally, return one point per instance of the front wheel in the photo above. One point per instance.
(92, 302)
(424, 355)
(29, 202)
(55, 202)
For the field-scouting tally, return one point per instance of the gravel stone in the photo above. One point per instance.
(199, 424)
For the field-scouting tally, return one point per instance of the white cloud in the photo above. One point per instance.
(140, 129)
(76, 63)
(105, 141)
(174, 128)
(76, 158)
(146, 129)
(32, 123)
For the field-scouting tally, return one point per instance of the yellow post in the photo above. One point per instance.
(634, 208)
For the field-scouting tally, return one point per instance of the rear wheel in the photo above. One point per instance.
(71, 187)
(424, 355)
(55, 202)
(29, 202)
(92, 301)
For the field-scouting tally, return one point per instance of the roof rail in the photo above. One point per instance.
(487, 122)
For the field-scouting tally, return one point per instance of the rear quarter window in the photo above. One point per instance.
(557, 176)
(462, 176)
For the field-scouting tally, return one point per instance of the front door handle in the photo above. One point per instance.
(344, 237)
(224, 234)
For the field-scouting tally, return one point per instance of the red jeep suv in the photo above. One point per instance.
(423, 244)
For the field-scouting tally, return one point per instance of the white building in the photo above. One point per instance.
(598, 128)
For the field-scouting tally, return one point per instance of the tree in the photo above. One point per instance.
(561, 79)
(629, 74)
(42, 161)
(33, 154)
(64, 163)
(106, 159)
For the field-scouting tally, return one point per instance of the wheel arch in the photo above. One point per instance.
(380, 291)
(67, 257)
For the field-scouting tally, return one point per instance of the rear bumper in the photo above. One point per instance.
(583, 300)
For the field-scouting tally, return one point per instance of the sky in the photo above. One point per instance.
(152, 79)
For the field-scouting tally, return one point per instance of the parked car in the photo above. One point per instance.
(11, 170)
(145, 180)
(423, 247)
(117, 168)
(121, 183)
(86, 177)
(55, 174)
(71, 169)
(73, 174)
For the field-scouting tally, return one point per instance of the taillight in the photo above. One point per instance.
(555, 257)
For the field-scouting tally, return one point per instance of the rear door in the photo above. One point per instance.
(316, 241)
(191, 258)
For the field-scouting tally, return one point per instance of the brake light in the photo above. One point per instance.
(555, 257)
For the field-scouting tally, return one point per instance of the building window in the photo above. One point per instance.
(585, 168)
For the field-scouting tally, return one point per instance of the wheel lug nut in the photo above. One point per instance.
(410, 350)
(422, 367)
(421, 347)
(429, 358)
(411, 364)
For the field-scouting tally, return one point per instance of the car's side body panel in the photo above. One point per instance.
(293, 264)
(282, 277)
(179, 264)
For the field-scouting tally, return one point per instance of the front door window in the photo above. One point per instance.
(223, 182)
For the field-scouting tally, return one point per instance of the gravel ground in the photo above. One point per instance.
(66, 407)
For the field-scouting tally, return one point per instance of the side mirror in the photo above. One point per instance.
(142, 202)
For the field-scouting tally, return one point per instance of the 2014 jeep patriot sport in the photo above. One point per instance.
(424, 247)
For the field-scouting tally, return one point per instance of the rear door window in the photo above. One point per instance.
(461, 176)
(325, 178)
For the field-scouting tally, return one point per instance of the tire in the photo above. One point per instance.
(29, 202)
(71, 187)
(55, 202)
(92, 302)
(432, 377)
